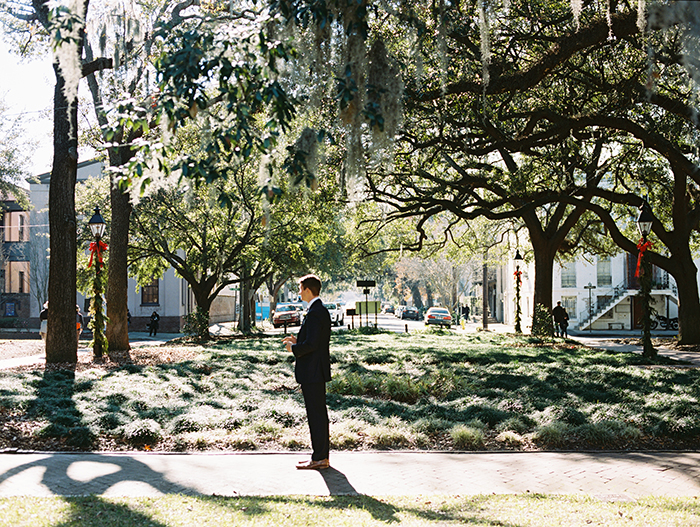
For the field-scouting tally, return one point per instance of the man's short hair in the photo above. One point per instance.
(311, 282)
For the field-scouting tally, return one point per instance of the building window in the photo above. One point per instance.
(21, 228)
(21, 282)
(603, 271)
(569, 304)
(149, 294)
(568, 274)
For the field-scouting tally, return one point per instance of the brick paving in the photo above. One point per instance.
(619, 476)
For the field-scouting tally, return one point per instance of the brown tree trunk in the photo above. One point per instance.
(61, 337)
(117, 296)
(274, 288)
(544, 273)
(117, 277)
(685, 273)
(244, 325)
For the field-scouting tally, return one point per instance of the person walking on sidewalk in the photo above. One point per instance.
(153, 324)
(561, 321)
(79, 321)
(44, 321)
(312, 369)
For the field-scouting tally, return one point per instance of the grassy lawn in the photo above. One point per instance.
(426, 390)
(503, 511)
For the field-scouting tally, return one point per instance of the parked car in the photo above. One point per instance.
(289, 314)
(410, 312)
(439, 316)
(387, 309)
(337, 313)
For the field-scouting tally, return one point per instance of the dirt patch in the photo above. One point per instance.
(142, 356)
(11, 349)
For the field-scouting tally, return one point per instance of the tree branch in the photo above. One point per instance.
(96, 65)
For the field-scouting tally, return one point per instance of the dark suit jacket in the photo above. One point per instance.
(312, 350)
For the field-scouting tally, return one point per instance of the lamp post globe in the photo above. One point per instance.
(97, 224)
(645, 220)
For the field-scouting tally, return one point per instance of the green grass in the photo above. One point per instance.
(389, 391)
(290, 511)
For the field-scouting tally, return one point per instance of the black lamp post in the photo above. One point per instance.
(644, 222)
(97, 227)
(518, 281)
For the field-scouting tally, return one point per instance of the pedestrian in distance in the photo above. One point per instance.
(312, 369)
(561, 321)
(153, 324)
(79, 321)
(44, 321)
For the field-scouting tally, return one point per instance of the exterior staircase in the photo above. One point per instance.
(616, 295)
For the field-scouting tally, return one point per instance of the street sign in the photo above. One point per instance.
(366, 283)
(362, 308)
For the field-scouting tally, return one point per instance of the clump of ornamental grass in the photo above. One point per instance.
(467, 437)
(510, 438)
(553, 434)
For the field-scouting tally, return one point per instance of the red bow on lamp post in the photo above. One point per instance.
(97, 247)
(642, 246)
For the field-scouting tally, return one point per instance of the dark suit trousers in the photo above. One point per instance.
(317, 415)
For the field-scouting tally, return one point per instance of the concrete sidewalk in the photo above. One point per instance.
(609, 476)
(688, 359)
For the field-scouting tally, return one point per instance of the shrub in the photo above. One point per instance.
(80, 437)
(267, 429)
(552, 434)
(606, 433)
(388, 437)
(142, 431)
(362, 413)
(402, 389)
(520, 425)
(234, 421)
(431, 425)
(185, 423)
(467, 437)
(510, 438)
(344, 437)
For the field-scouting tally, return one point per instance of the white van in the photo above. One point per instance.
(337, 313)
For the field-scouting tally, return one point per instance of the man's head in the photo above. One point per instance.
(559, 303)
(310, 283)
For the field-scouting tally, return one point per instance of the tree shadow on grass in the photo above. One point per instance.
(97, 512)
(54, 403)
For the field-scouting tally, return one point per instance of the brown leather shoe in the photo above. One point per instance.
(313, 465)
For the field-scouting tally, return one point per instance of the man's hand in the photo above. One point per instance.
(288, 341)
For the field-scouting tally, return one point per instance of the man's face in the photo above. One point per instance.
(305, 293)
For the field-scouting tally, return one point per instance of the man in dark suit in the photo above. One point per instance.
(311, 348)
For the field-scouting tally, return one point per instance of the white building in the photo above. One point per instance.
(598, 293)
(170, 296)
